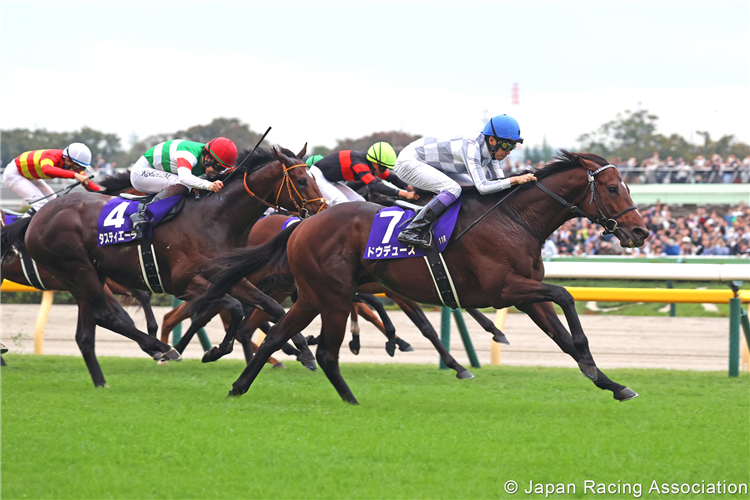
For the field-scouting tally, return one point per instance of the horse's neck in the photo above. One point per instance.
(236, 210)
(543, 213)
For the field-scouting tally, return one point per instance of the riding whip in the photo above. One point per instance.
(245, 159)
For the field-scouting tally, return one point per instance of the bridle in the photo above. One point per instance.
(608, 221)
(302, 212)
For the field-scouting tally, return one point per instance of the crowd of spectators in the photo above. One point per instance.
(695, 233)
(713, 170)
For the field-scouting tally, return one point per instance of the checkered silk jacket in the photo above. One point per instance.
(464, 159)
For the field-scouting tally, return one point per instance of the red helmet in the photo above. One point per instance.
(222, 150)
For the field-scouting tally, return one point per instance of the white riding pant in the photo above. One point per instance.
(29, 190)
(334, 192)
(420, 175)
(149, 180)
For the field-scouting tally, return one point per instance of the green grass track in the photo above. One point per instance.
(168, 431)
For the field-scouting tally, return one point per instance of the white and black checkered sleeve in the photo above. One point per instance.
(473, 161)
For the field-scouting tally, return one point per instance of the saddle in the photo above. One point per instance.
(114, 224)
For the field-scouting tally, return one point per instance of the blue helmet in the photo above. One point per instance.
(503, 127)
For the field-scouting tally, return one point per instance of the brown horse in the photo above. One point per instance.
(62, 238)
(268, 227)
(498, 263)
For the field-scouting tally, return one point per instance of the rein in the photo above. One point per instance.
(602, 219)
(287, 181)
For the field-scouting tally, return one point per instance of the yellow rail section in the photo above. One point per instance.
(10, 286)
(663, 295)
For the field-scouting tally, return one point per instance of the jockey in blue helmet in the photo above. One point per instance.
(426, 162)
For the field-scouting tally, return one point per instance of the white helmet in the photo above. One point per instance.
(79, 153)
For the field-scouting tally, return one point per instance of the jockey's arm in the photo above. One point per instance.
(185, 173)
(56, 172)
(473, 162)
(393, 179)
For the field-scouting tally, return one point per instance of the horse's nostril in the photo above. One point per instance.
(640, 232)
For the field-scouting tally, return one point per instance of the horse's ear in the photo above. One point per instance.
(278, 154)
(588, 164)
(303, 152)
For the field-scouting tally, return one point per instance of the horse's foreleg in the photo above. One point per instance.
(488, 326)
(152, 326)
(172, 319)
(299, 316)
(234, 308)
(533, 296)
(249, 295)
(416, 315)
(85, 337)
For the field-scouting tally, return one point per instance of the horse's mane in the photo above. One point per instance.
(564, 160)
(262, 156)
(117, 182)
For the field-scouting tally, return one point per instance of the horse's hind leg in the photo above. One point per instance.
(544, 315)
(327, 354)
(488, 326)
(298, 317)
(415, 313)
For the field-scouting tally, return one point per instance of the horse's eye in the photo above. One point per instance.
(612, 189)
(302, 182)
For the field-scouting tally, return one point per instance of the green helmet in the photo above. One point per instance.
(383, 154)
(313, 160)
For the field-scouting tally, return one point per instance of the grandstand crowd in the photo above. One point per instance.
(713, 170)
(696, 233)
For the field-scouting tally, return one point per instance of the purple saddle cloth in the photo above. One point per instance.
(389, 222)
(114, 224)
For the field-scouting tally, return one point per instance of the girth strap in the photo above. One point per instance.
(149, 266)
(442, 278)
(31, 272)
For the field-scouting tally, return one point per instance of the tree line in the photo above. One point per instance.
(630, 134)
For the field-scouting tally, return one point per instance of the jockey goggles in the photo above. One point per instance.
(507, 145)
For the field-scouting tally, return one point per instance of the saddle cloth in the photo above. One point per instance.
(114, 224)
(389, 222)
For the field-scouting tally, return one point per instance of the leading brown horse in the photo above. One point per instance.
(62, 237)
(498, 263)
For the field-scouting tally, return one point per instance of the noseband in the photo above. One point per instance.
(608, 221)
(302, 212)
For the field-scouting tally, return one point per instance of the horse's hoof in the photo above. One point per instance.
(103, 386)
(172, 355)
(308, 361)
(464, 375)
(162, 362)
(589, 372)
(390, 348)
(403, 345)
(354, 346)
(234, 394)
(624, 394)
(500, 338)
(3, 349)
(311, 340)
(211, 355)
(280, 366)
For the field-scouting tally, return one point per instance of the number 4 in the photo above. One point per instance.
(116, 217)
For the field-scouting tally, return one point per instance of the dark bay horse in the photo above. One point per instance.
(498, 263)
(268, 227)
(62, 238)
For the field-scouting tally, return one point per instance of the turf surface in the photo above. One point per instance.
(168, 432)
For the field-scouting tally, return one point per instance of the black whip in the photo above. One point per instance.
(245, 159)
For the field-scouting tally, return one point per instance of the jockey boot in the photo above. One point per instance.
(139, 217)
(419, 231)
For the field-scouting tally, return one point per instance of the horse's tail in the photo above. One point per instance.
(13, 235)
(239, 264)
(116, 183)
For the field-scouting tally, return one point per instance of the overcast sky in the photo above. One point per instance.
(321, 71)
